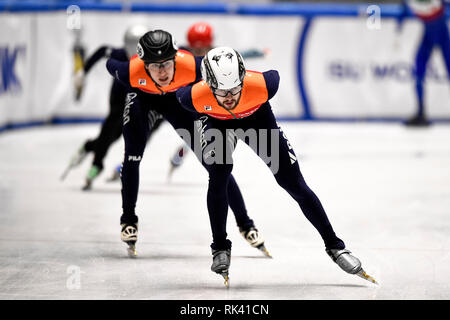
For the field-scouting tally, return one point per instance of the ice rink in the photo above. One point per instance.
(385, 189)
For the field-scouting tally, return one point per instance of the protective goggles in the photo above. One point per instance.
(223, 93)
(166, 65)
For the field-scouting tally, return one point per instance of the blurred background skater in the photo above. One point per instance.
(111, 128)
(78, 56)
(432, 13)
(200, 39)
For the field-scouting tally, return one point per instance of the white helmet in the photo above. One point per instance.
(132, 36)
(223, 68)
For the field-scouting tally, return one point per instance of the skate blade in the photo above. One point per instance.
(266, 252)
(63, 176)
(132, 253)
(226, 280)
(113, 178)
(170, 174)
(365, 276)
(87, 186)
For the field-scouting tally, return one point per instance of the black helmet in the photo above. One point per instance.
(155, 46)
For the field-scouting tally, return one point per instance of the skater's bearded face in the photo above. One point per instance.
(228, 98)
(162, 72)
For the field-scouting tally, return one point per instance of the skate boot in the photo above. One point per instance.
(418, 121)
(255, 239)
(76, 159)
(221, 264)
(93, 173)
(129, 236)
(116, 174)
(171, 170)
(349, 263)
(176, 161)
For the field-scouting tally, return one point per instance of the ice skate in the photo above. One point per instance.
(176, 161)
(255, 239)
(349, 263)
(171, 170)
(418, 121)
(129, 236)
(93, 173)
(116, 174)
(221, 264)
(76, 159)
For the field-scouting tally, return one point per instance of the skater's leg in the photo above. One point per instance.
(290, 178)
(422, 57)
(156, 121)
(246, 225)
(89, 145)
(287, 174)
(112, 126)
(444, 41)
(217, 201)
(221, 192)
(135, 133)
(219, 177)
(219, 172)
(237, 205)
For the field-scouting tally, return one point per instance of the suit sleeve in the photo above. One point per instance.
(119, 54)
(104, 52)
(198, 72)
(272, 79)
(184, 97)
(95, 57)
(120, 70)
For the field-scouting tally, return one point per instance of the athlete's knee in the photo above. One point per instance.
(219, 176)
(220, 170)
(296, 187)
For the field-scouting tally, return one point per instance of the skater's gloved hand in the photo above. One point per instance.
(79, 79)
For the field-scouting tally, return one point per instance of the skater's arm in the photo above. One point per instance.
(104, 52)
(119, 70)
(272, 79)
(184, 97)
(95, 57)
(119, 54)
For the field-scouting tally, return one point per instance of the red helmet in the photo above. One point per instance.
(200, 35)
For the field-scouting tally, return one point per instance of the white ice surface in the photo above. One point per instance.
(385, 189)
